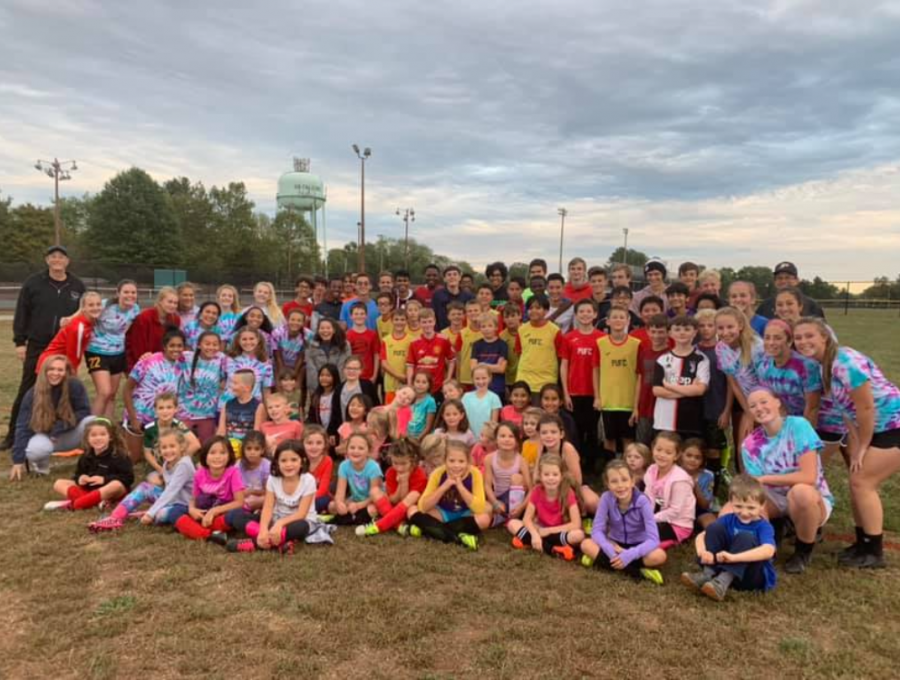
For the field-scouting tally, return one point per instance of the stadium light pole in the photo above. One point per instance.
(363, 157)
(408, 216)
(625, 251)
(562, 228)
(60, 171)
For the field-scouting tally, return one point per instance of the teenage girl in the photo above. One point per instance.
(321, 465)
(671, 490)
(203, 384)
(552, 520)
(264, 297)
(146, 333)
(168, 502)
(742, 296)
(103, 473)
(452, 508)
(404, 483)
(72, 340)
(328, 346)
(159, 372)
(248, 351)
(624, 536)
(506, 476)
(207, 319)
(230, 304)
(289, 342)
(105, 354)
(453, 422)
(789, 305)
(791, 377)
(254, 318)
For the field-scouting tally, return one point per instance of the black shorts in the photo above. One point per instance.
(113, 363)
(714, 436)
(615, 425)
(831, 437)
(889, 439)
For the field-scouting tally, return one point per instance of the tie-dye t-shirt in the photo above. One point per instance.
(154, 375)
(289, 347)
(850, 370)
(730, 364)
(202, 390)
(193, 330)
(791, 382)
(780, 455)
(108, 337)
(261, 369)
(226, 325)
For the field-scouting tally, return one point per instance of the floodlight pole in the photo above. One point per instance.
(562, 229)
(362, 205)
(58, 171)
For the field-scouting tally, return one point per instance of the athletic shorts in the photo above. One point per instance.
(778, 496)
(615, 425)
(889, 439)
(450, 516)
(112, 363)
(832, 437)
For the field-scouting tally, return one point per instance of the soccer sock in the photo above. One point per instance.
(219, 524)
(252, 529)
(709, 572)
(394, 518)
(524, 535)
(803, 548)
(725, 578)
(516, 496)
(432, 527)
(191, 529)
(383, 506)
(74, 492)
(464, 525)
(120, 512)
(873, 544)
(88, 500)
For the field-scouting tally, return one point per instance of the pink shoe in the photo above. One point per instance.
(109, 523)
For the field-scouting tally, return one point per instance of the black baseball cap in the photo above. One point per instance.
(56, 249)
(785, 268)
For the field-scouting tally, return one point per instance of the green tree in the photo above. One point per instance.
(635, 257)
(132, 221)
(194, 212)
(236, 230)
(819, 289)
(294, 243)
(26, 231)
(760, 277)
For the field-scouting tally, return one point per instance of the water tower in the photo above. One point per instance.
(304, 192)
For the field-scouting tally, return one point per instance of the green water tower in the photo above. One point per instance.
(304, 192)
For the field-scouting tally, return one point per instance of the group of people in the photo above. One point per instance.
(450, 408)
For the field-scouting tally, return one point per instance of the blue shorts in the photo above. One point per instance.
(451, 516)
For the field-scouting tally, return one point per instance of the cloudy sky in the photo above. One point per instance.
(726, 132)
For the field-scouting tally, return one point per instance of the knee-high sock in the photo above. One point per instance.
(220, 524)
(252, 529)
(295, 531)
(464, 525)
(383, 505)
(74, 492)
(432, 527)
(88, 500)
(516, 496)
(394, 518)
(188, 527)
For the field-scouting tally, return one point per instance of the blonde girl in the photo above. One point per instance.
(434, 451)
(742, 296)
(146, 332)
(637, 458)
(230, 303)
(264, 296)
(378, 428)
(321, 465)
(72, 340)
(358, 485)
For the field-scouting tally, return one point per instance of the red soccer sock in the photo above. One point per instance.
(219, 524)
(74, 492)
(88, 500)
(252, 529)
(394, 518)
(383, 506)
(190, 528)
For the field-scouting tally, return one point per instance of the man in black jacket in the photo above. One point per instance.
(787, 276)
(44, 299)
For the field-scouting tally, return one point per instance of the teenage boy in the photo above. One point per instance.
(364, 342)
(679, 382)
(677, 294)
(657, 344)
(578, 287)
(385, 282)
(561, 308)
(451, 292)
(537, 267)
(385, 302)
(578, 356)
(303, 288)
(598, 279)
(363, 296)
(493, 352)
(456, 314)
(537, 344)
(403, 291)
(655, 275)
(430, 353)
(425, 294)
(242, 413)
(394, 350)
(620, 298)
(330, 307)
(615, 383)
(467, 283)
(620, 275)
(485, 297)
(512, 320)
(468, 336)
(688, 273)
(538, 286)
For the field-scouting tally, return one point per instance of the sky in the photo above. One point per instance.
(727, 132)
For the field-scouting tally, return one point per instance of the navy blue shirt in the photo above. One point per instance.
(443, 297)
(491, 353)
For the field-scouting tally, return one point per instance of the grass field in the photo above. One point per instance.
(148, 603)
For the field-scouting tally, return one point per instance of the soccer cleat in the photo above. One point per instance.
(468, 540)
(415, 532)
(714, 589)
(864, 561)
(403, 529)
(797, 563)
(219, 538)
(694, 581)
(286, 548)
(109, 523)
(247, 545)
(849, 553)
(564, 551)
(586, 561)
(517, 543)
(370, 529)
(326, 518)
(57, 505)
(653, 575)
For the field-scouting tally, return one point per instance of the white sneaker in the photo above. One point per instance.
(42, 470)
(58, 505)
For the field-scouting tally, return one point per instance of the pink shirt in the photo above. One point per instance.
(292, 429)
(210, 491)
(547, 512)
(510, 413)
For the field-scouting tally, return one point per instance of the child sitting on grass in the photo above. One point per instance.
(359, 481)
(321, 465)
(671, 490)
(404, 483)
(255, 469)
(693, 461)
(637, 457)
(506, 476)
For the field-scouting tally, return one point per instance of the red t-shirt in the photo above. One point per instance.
(323, 476)
(432, 356)
(367, 345)
(646, 365)
(548, 513)
(576, 294)
(305, 307)
(579, 349)
(418, 480)
(644, 336)
(424, 294)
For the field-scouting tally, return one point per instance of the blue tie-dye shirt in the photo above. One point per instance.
(850, 370)
(202, 389)
(791, 382)
(289, 347)
(730, 364)
(154, 375)
(193, 330)
(108, 337)
(261, 369)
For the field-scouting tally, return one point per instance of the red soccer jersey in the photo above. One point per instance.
(367, 345)
(576, 294)
(70, 341)
(579, 349)
(432, 356)
(642, 335)
(646, 365)
(418, 480)
(323, 476)
(305, 307)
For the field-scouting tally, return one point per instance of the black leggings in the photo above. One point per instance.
(447, 533)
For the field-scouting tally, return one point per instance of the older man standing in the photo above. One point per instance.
(787, 276)
(44, 299)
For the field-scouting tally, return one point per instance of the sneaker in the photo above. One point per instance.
(797, 563)
(517, 543)
(470, 541)
(415, 532)
(286, 548)
(326, 518)
(848, 553)
(653, 575)
(370, 529)
(247, 545)
(57, 505)
(109, 523)
(219, 538)
(403, 529)
(864, 561)
(564, 551)
(714, 590)
(695, 580)
(586, 561)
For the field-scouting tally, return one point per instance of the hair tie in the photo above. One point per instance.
(101, 419)
(783, 325)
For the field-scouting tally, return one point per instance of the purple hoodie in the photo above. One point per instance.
(635, 527)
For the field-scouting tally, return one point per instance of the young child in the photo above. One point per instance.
(354, 422)
(288, 512)
(551, 401)
(430, 353)
(324, 403)
(279, 427)
(616, 384)
(637, 457)
(492, 352)
(453, 423)
(404, 483)
(378, 430)
(358, 484)
(519, 401)
(737, 549)
(452, 390)
(289, 343)
(243, 412)
(657, 345)
(482, 405)
(394, 350)
(716, 412)
(531, 446)
(693, 461)
(413, 319)
(248, 352)
(434, 451)
(400, 411)
(552, 520)
(506, 476)
(671, 490)
(624, 536)
(217, 489)
(578, 357)
(364, 342)
(203, 387)
(321, 465)
(680, 380)
(255, 468)
(103, 473)
(538, 344)
(465, 342)
(169, 501)
(166, 406)
(424, 407)
(452, 508)
(487, 443)
(651, 306)
(288, 385)
(512, 321)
